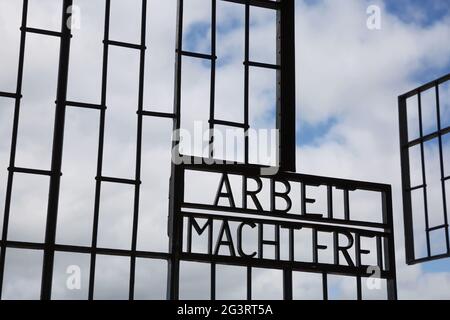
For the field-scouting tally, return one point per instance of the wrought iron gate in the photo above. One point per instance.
(179, 250)
(424, 140)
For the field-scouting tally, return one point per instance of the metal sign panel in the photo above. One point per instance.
(230, 215)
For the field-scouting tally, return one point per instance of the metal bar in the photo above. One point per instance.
(157, 114)
(126, 45)
(416, 187)
(30, 171)
(325, 286)
(213, 282)
(380, 253)
(12, 157)
(84, 105)
(406, 182)
(87, 250)
(212, 91)
(437, 227)
(268, 4)
(100, 149)
(425, 87)
(427, 137)
(138, 148)
(57, 152)
(283, 215)
(441, 162)
(286, 115)
(249, 283)
(322, 227)
(429, 259)
(175, 225)
(246, 81)
(229, 124)
(424, 177)
(263, 65)
(358, 288)
(287, 284)
(119, 180)
(346, 205)
(9, 95)
(389, 246)
(44, 32)
(198, 55)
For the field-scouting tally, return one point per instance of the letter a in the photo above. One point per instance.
(228, 194)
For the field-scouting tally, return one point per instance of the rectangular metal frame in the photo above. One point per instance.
(407, 188)
(182, 209)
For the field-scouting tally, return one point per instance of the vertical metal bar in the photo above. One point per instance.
(213, 77)
(57, 152)
(424, 177)
(346, 205)
(249, 283)
(287, 284)
(389, 245)
(358, 288)
(406, 181)
(100, 150)
(441, 160)
(12, 158)
(246, 81)
(286, 85)
(213, 281)
(138, 148)
(177, 175)
(330, 202)
(325, 286)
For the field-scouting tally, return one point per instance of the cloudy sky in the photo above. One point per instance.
(348, 80)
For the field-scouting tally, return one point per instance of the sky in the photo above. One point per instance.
(347, 79)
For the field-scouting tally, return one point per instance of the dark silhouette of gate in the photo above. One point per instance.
(428, 138)
(348, 226)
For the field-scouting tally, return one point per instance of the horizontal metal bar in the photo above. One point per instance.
(323, 227)
(262, 65)
(294, 265)
(437, 227)
(446, 178)
(9, 95)
(425, 87)
(198, 55)
(258, 3)
(118, 180)
(229, 124)
(428, 137)
(85, 105)
(43, 32)
(30, 171)
(157, 114)
(429, 259)
(417, 187)
(125, 45)
(87, 250)
(291, 216)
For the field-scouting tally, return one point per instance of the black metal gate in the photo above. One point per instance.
(181, 211)
(423, 140)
